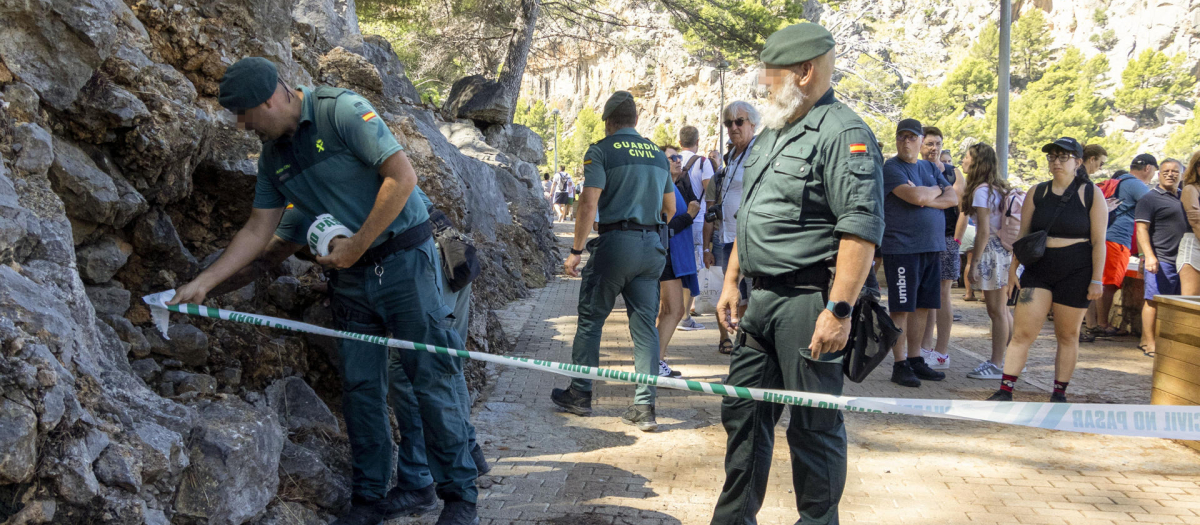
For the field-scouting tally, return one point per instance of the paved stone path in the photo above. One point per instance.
(550, 467)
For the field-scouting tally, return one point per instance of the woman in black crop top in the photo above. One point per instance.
(1068, 276)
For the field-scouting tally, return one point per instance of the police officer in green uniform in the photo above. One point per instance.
(327, 151)
(811, 215)
(629, 179)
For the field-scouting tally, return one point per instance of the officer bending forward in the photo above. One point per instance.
(813, 197)
(628, 176)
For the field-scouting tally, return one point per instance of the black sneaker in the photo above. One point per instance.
(573, 401)
(922, 370)
(409, 502)
(481, 464)
(458, 513)
(1001, 395)
(641, 416)
(1058, 397)
(364, 513)
(902, 374)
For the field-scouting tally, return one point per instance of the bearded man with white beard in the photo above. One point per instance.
(810, 218)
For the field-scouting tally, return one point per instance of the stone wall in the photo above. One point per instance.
(120, 176)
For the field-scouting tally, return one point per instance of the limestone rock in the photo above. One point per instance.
(36, 148)
(118, 466)
(155, 235)
(1172, 115)
(109, 300)
(290, 513)
(18, 442)
(480, 99)
(138, 345)
(34, 513)
(396, 85)
(234, 470)
(73, 474)
(333, 23)
(284, 292)
(187, 344)
(99, 261)
(299, 408)
(307, 478)
(89, 193)
(146, 369)
(345, 69)
(203, 384)
(162, 451)
(22, 102)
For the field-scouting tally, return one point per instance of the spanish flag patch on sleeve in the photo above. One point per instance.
(858, 147)
(368, 116)
(586, 162)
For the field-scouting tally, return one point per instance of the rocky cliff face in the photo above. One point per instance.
(923, 39)
(120, 176)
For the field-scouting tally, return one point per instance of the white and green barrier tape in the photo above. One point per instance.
(1160, 421)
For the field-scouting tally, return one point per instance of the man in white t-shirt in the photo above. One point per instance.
(699, 171)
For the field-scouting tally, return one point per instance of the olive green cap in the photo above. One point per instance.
(248, 83)
(615, 100)
(796, 43)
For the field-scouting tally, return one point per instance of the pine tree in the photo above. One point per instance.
(664, 135)
(972, 78)
(1184, 141)
(1031, 42)
(1152, 80)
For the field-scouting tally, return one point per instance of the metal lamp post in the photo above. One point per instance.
(555, 113)
(1002, 95)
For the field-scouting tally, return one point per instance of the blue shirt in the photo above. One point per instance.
(1129, 192)
(909, 228)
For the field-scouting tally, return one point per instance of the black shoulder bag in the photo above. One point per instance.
(1030, 248)
(459, 260)
(872, 335)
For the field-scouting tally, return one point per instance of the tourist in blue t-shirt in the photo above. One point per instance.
(913, 242)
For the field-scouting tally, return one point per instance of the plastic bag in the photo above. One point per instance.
(711, 281)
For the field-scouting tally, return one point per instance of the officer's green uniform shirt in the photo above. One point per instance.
(805, 186)
(634, 175)
(293, 227)
(331, 164)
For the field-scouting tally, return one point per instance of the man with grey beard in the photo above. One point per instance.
(810, 218)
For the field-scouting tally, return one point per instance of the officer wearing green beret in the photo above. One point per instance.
(627, 177)
(811, 216)
(327, 151)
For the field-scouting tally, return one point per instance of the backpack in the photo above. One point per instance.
(1010, 219)
(1109, 188)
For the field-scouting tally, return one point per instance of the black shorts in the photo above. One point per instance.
(668, 271)
(1066, 272)
(561, 197)
(914, 281)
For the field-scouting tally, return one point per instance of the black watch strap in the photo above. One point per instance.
(576, 252)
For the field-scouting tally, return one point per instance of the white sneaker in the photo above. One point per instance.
(690, 324)
(664, 370)
(941, 361)
(986, 370)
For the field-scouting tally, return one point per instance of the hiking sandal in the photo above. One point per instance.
(725, 347)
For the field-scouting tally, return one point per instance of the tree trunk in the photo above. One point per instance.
(518, 53)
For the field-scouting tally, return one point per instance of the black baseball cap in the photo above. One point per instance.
(1143, 160)
(911, 125)
(1067, 144)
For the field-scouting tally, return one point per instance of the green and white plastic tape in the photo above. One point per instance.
(1159, 421)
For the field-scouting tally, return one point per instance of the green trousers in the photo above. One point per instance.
(628, 263)
(411, 450)
(402, 297)
(782, 320)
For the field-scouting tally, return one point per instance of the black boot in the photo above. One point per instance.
(363, 512)
(573, 401)
(922, 370)
(458, 513)
(409, 502)
(1001, 395)
(641, 416)
(902, 374)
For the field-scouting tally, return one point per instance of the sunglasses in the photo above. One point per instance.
(732, 123)
(675, 158)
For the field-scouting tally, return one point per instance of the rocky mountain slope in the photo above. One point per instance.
(921, 39)
(120, 176)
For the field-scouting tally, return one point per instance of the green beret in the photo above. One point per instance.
(248, 83)
(796, 43)
(615, 100)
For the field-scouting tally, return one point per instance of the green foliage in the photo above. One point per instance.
(872, 87)
(1152, 80)
(1184, 141)
(537, 118)
(927, 104)
(1100, 16)
(731, 29)
(588, 128)
(972, 79)
(1104, 41)
(665, 135)
(1030, 46)
(987, 47)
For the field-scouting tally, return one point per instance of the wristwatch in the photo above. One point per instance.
(576, 252)
(840, 309)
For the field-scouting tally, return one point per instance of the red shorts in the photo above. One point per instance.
(1116, 263)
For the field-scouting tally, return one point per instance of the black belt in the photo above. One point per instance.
(816, 277)
(628, 225)
(407, 239)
